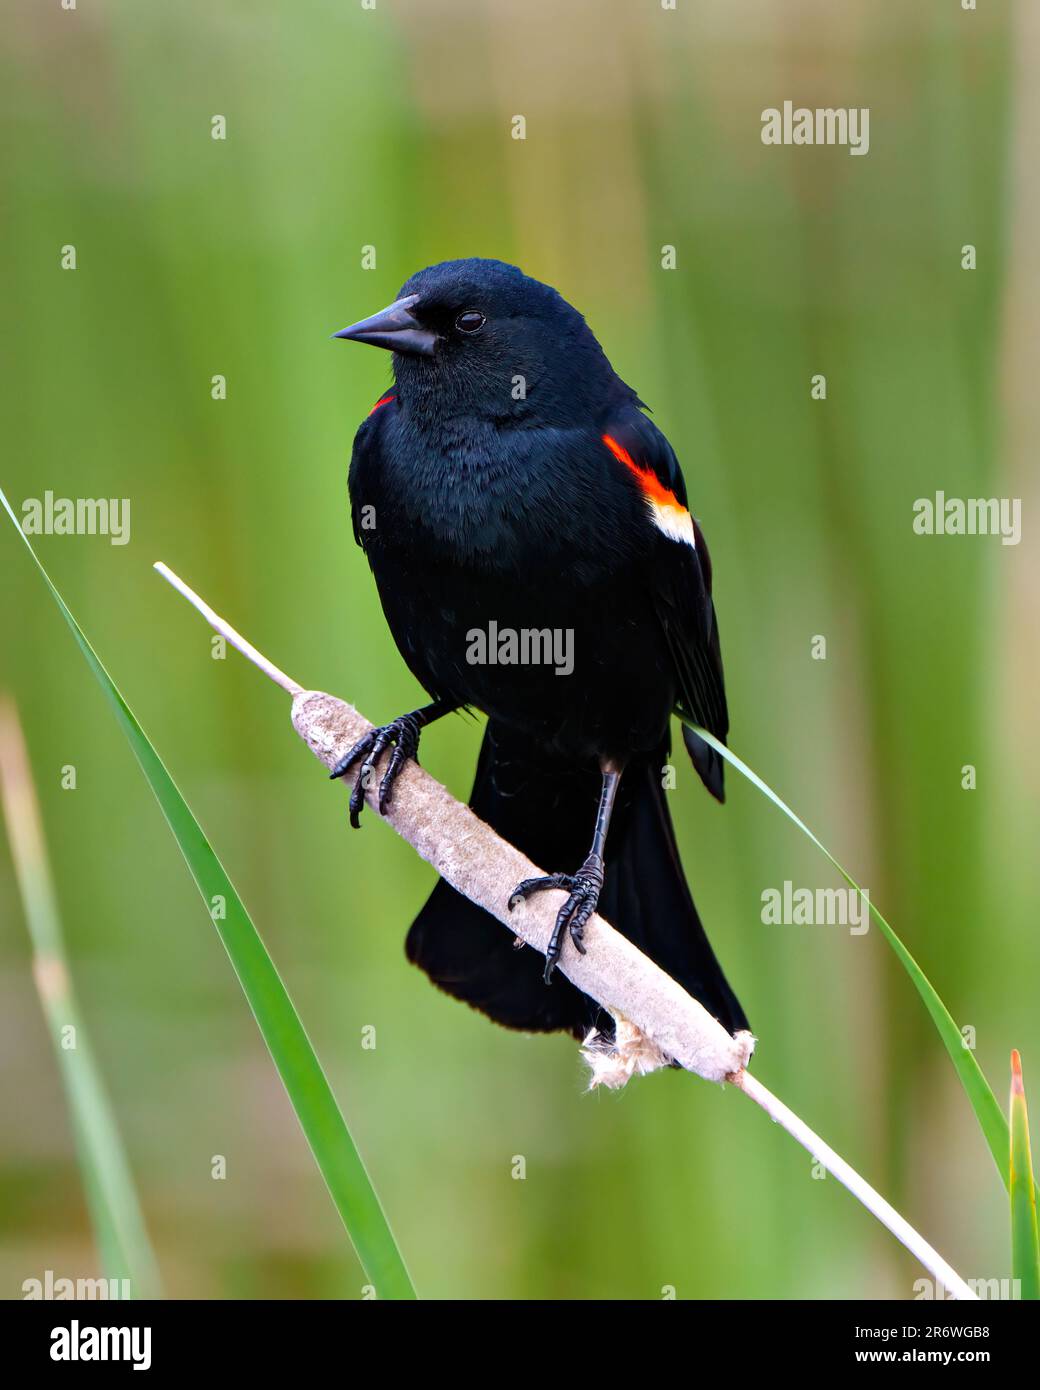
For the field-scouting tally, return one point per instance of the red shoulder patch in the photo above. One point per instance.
(667, 512)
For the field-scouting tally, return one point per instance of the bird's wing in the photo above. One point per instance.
(363, 459)
(680, 586)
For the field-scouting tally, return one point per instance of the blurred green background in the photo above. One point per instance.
(390, 127)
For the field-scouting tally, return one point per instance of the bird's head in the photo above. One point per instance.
(484, 338)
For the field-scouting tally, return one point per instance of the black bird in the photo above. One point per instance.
(528, 531)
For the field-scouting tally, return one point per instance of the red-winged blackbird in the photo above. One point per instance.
(529, 535)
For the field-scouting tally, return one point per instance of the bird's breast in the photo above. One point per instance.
(463, 497)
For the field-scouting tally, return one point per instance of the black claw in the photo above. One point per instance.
(583, 889)
(403, 735)
(386, 787)
(523, 890)
(348, 760)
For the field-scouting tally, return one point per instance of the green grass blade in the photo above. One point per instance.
(1025, 1244)
(124, 1249)
(308, 1089)
(988, 1113)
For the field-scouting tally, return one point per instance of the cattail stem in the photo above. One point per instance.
(226, 630)
(888, 1216)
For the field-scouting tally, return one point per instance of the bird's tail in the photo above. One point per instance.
(547, 808)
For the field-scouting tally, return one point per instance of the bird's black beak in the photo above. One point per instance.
(394, 327)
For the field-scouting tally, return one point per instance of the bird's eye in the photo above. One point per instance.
(469, 321)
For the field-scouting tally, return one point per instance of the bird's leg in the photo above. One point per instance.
(583, 887)
(403, 734)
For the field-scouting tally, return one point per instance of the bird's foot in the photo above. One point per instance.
(583, 889)
(403, 735)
